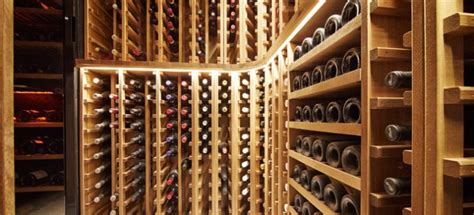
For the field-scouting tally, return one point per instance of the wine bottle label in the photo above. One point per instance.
(39, 174)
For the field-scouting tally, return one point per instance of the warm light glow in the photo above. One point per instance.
(34, 92)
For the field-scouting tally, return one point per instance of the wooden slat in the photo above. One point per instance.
(406, 211)
(385, 54)
(39, 124)
(387, 103)
(380, 200)
(459, 95)
(46, 188)
(338, 174)
(292, 210)
(386, 151)
(334, 128)
(46, 76)
(390, 8)
(407, 39)
(459, 24)
(341, 41)
(39, 157)
(311, 198)
(407, 98)
(459, 167)
(408, 157)
(345, 82)
(7, 184)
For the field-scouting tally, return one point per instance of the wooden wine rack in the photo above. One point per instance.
(392, 36)
(113, 34)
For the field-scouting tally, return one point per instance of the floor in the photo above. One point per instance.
(40, 203)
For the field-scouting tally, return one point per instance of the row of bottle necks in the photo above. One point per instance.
(171, 22)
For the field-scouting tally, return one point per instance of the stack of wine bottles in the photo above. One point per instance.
(244, 149)
(260, 141)
(338, 111)
(201, 37)
(213, 14)
(251, 34)
(333, 68)
(185, 119)
(171, 21)
(335, 22)
(39, 177)
(338, 152)
(224, 139)
(39, 116)
(332, 192)
(39, 145)
(232, 26)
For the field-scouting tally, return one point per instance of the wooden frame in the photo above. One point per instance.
(7, 184)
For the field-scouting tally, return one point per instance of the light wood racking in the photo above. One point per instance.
(392, 36)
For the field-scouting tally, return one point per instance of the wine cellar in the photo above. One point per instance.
(354, 107)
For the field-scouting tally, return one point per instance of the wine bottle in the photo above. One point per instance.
(102, 182)
(205, 82)
(185, 98)
(173, 45)
(139, 167)
(170, 85)
(307, 112)
(186, 164)
(186, 112)
(245, 164)
(172, 125)
(333, 194)
(297, 53)
(103, 124)
(34, 178)
(224, 109)
(138, 125)
(297, 169)
(172, 151)
(137, 195)
(186, 124)
(139, 153)
(137, 97)
(245, 137)
(398, 79)
(171, 98)
(351, 112)
(114, 197)
(333, 24)
(394, 132)
(185, 137)
(351, 60)
(139, 139)
(334, 112)
(332, 68)
(205, 122)
(171, 139)
(306, 177)
(318, 149)
(351, 159)
(172, 192)
(99, 198)
(138, 111)
(318, 182)
(102, 110)
(205, 135)
(334, 152)
(299, 113)
(137, 85)
(102, 139)
(396, 186)
(350, 204)
(298, 202)
(101, 96)
(206, 108)
(318, 114)
(102, 168)
(57, 178)
(205, 148)
(308, 208)
(245, 110)
(306, 145)
(206, 95)
(172, 177)
(224, 147)
(171, 29)
(101, 154)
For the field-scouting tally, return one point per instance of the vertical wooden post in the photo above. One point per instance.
(7, 184)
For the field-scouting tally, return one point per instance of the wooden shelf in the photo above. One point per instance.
(385, 54)
(387, 103)
(39, 157)
(292, 210)
(390, 8)
(407, 39)
(380, 200)
(38, 17)
(459, 95)
(39, 124)
(334, 128)
(407, 157)
(311, 198)
(407, 97)
(38, 44)
(338, 174)
(459, 24)
(46, 188)
(345, 82)
(406, 211)
(459, 167)
(341, 41)
(36, 76)
(387, 151)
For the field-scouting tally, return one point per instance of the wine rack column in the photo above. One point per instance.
(282, 129)
(448, 107)
(98, 31)
(254, 180)
(157, 142)
(276, 145)
(95, 136)
(235, 142)
(196, 168)
(388, 125)
(262, 28)
(268, 180)
(223, 143)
